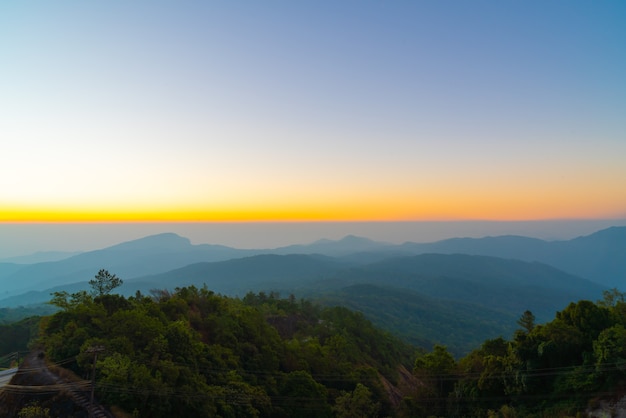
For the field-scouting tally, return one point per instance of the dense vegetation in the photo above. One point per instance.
(17, 335)
(196, 353)
(192, 352)
(560, 368)
(422, 320)
(12, 315)
(454, 300)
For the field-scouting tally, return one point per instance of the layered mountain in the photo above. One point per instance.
(149, 255)
(510, 286)
(422, 320)
(458, 300)
(268, 272)
(600, 257)
(458, 291)
(40, 257)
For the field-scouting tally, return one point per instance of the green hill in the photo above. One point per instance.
(195, 353)
(422, 320)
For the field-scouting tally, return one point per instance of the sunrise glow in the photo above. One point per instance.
(316, 112)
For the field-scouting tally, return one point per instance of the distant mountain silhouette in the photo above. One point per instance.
(145, 256)
(6, 269)
(510, 286)
(600, 257)
(236, 277)
(149, 255)
(471, 297)
(40, 257)
(350, 244)
(423, 320)
(465, 299)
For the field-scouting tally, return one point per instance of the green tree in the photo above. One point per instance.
(437, 362)
(34, 410)
(68, 301)
(104, 282)
(527, 321)
(482, 383)
(358, 404)
(612, 297)
(610, 354)
(437, 370)
(588, 317)
(303, 397)
(195, 353)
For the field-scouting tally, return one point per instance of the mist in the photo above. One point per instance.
(17, 239)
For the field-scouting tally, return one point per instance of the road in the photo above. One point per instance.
(6, 375)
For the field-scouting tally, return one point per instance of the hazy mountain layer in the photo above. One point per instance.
(458, 300)
(150, 255)
(600, 257)
(425, 298)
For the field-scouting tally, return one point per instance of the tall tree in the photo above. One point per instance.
(104, 282)
(527, 321)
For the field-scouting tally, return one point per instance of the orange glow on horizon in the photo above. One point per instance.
(433, 209)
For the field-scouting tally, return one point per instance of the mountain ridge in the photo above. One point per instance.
(375, 278)
(600, 256)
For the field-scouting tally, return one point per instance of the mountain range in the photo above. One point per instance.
(427, 292)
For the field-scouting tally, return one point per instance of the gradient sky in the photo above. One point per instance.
(319, 110)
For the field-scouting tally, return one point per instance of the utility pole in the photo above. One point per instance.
(94, 349)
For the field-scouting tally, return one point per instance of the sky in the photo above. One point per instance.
(314, 111)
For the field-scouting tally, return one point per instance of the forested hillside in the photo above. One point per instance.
(505, 285)
(599, 257)
(422, 320)
(456, 300)
(569, 366)
(16, 336)
(192, 352)
(196, 353)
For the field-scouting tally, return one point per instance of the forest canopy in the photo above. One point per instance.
(193, 352)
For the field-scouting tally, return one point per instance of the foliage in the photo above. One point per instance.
(357, 404)
(11, 315)
(104, 282)
(557, 367)
(34, 411)
(527, 321)
(66, 301)
(192, 352)
(421, 320)
(18, 335)
(437, 371)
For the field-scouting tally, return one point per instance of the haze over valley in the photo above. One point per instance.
(462, 280)
(322, 209)
(458, 298)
